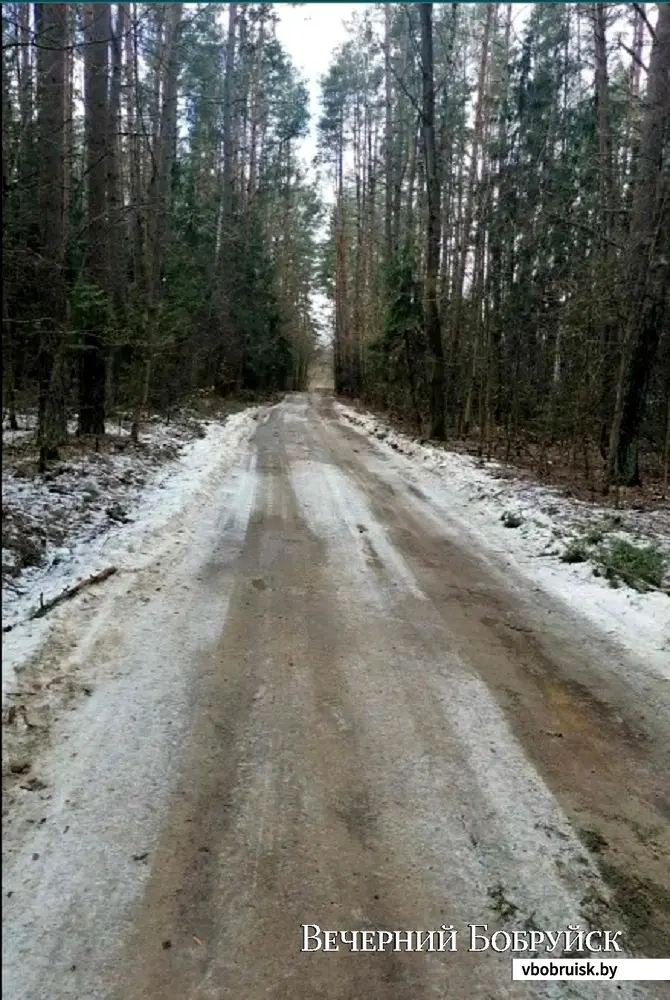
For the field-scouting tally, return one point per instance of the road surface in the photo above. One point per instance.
(317, 704)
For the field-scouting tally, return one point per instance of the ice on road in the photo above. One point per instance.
(316, 700)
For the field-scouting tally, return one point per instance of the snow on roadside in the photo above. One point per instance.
(476, 497)
(105, 504)
(77, 498)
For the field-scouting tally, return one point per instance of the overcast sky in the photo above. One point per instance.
(310, 35)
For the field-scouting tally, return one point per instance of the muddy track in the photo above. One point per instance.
(373, 727)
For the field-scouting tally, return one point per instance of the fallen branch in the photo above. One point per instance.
(67, 595)
(71, 592)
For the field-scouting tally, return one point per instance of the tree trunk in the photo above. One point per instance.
(604, 318)
(226, 373)
(92, 367)
(433, 332)
(257, 95)
(114, 195)
(159, 204)
(388, 146)
(51, 29)
(133, 124)
(647, 277)
(454, 367)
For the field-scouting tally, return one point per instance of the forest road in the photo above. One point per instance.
(377, 728)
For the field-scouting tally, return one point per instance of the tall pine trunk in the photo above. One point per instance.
(92, 365)
(433, 332)
(159, 204)
(647, 277)
(51, 30)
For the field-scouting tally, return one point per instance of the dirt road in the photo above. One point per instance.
(317, 704)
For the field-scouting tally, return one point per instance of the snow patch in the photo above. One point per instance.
(469, 502)
(110, 776)
(144, 496)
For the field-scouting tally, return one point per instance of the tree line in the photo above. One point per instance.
(159, 233)
(499, 249)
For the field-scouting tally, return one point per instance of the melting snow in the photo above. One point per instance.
(97, 508)
(473, 500)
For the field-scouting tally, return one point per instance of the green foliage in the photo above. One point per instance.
(91, 310)
(594, 536)
(354, 74)
(618, 560)
(234, 291)
(581, 549)
(404, 319)
(639, 567)
(577, 551)
(386, 356)
(266, 351)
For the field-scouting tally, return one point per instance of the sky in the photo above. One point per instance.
(310, 34)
